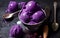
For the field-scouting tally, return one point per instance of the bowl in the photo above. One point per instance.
(35, 26)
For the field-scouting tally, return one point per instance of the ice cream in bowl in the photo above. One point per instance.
(32, 15)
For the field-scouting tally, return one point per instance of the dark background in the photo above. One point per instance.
(4, 28)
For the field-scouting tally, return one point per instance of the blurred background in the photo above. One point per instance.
(4, 28)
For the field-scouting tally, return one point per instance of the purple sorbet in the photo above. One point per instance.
(15, 31)
(24, 17)
(13, 6)
(38, 16)
(31, 5)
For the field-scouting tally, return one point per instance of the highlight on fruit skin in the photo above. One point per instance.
(16, 31)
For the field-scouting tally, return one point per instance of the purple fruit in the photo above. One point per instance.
(24, 17)
(31, 23)
(22, 4)
(13, 6)
(38, 16)
(16, 31)
(31, 5)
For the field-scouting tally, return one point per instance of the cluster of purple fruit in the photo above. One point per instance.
(31, 14)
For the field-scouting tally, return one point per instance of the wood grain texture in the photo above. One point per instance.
(45, 31)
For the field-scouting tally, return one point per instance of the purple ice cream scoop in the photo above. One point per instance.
(12, 6)
(38, 16)
(16, 31)
(31, 5)
(24, 17)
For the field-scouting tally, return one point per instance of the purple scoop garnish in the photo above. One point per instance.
(31, 5)
(38, 16)
(16, 31)
(24, 17)
(12, 7)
